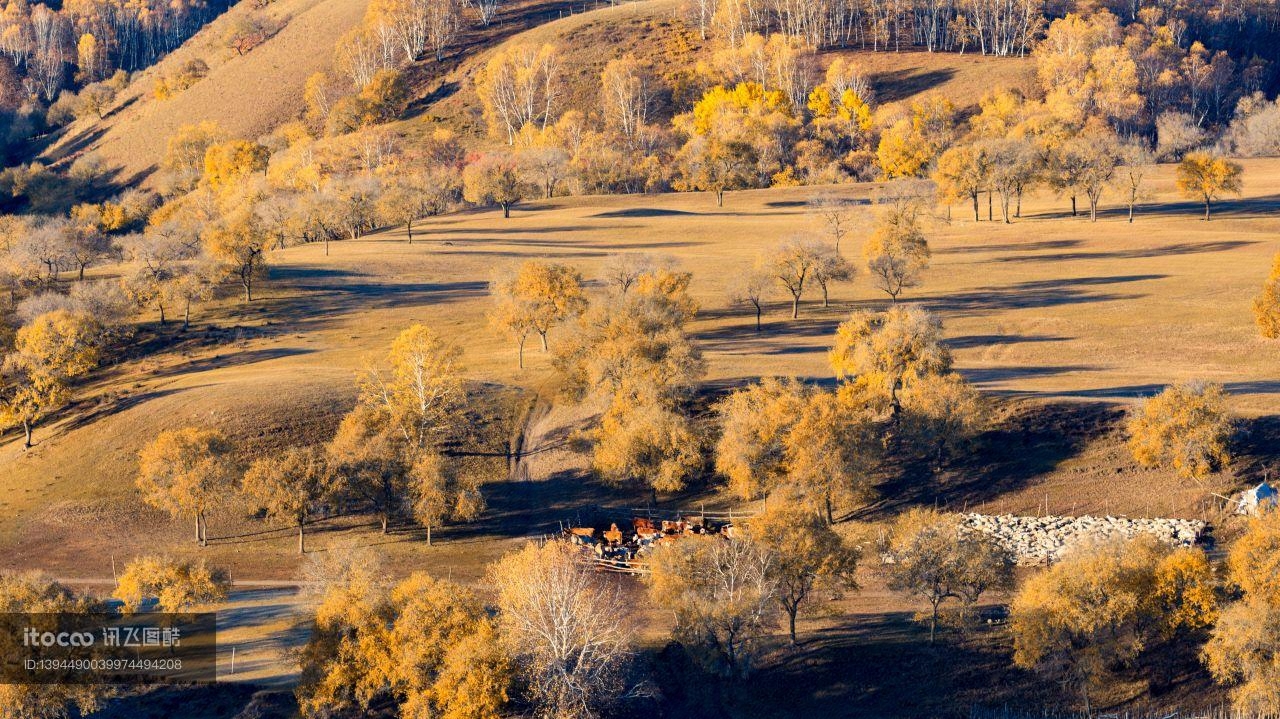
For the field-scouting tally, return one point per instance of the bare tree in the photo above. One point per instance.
(567, 628)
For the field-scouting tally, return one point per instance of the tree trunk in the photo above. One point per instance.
(795, 306)
(976, 217)
(26, 428)
(326, 245)
(825, 302)
(428, 535)
(1093, 210)
(520, 353)
(719, 198)
(791, 617)
(1131, 213)
(1073, 205)
(933, 623)
(506, 210)
(162, 317)
(1206, 210)
(302, 547)
(186, 316)
(82, 273)
(543, 335)
(990, 200)
(1018, 210)
(757, 317)
(408, 227)
(199, 534)
(386, 520)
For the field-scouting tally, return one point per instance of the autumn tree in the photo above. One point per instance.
(810, 557)
(535, 297)
(1186, 428)
(368, 456)
(230, 162)
(1266, 305)
(420, 389)
(942, 411)
(718, 166)
(495, 179)
(831, 268)
(185, 152)
(410, 197)
(793, 264)
(175, 585)
(186, 471)
(291, 486)
(53, 350)
(1241, 651)
(836, 214)
(751, 288)
(1100, 157)
(566, 626)
(1207, 177)
(239, 243)
(384, 448)
(891, 351)
(751, 451)
(1132, 173)
(34, 594)
(632, 354)
(723, 596)
(438, 494)
(520, 86)
(426, 646)
(964, 171)
(1105, 603)
(896, 253)
(935, 558)
(627, 92)
(642, 438)
(636, 340)
(622, 270)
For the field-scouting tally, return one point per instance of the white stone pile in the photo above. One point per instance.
(1036, 540)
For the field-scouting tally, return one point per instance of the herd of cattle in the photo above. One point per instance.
(621, 549)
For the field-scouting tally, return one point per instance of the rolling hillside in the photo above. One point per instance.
(251, 94)
(1062, 317)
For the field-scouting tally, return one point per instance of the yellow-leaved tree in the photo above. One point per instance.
(1207, 177)
(186, 471)
(888, 352)
(1266, 306)
(1107, 603)
(534, 297)
(427, 645)
(175, 585)
(811, 558)
(1186, 428)
(1244, 648)
(291, 486)
(936, 558)
(35, 594)
(896, 252)
(49, 353)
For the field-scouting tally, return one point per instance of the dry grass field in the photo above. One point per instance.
(1064, 321)
(1062, 318)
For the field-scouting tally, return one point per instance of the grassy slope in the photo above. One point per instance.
(1047, 310)
(252, 94)
(247, 95)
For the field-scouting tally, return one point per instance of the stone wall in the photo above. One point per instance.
(1036, 540)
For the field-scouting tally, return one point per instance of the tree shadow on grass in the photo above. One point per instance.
(1031, 442)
